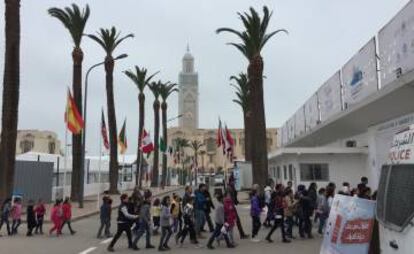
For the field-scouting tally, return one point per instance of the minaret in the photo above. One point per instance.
(188, 95)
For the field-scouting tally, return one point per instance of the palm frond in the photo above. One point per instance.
(109, 39)
(139, 77)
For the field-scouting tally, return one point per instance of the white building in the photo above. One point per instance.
(344, 131)
(37, 141)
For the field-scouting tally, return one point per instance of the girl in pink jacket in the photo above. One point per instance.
(56, 216)
(229, 215)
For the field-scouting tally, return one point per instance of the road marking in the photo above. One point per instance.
(88, 250)
(106, 241)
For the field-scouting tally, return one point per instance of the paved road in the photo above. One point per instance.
(85, 242)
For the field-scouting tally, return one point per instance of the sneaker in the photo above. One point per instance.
(167, 247)
(255, 240)
(150, 247)
(73, 232)
(110, 249)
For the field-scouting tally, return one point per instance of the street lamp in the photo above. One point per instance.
(85, 101)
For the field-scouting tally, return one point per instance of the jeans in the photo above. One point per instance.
(122, 227)
(216, 233)
(239, 225)
(200, 217)
(278, 223)
(322, 221)
(39, 225)
(5, 220)
(15, 225)
(188, 228)
(166, 233)
(256, 225)
(289, 223)
(144, 227)
(305, 226)
(107, 225)
(209, 222)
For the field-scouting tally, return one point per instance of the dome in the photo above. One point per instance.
(188, 55)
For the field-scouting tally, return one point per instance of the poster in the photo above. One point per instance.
(349, 226)
(300, 122)
(396, 45)
(311, 113)
(329, 96)
(359, 75)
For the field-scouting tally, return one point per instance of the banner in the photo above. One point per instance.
(329, 96)
(311, 113)
(396, 45)
(359, 75)
(349, 227)
(300, 122)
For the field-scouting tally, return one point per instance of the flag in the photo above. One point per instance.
(73, 119)
(104, 132)
(219, 140)
(163, 145)
(146, 144)
(230, 142)
(122, 139)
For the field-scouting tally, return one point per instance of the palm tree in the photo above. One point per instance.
(74, 21)
(166, 90)
(180, 145)
(242, 93)
(141, 80)
(253, 39)
(11, 91)
(109, 40)
(196, 146)
(155, 88)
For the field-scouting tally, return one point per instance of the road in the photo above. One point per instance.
(85, 242)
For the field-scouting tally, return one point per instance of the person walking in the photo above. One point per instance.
(16, 214)
(175, 213)
(188, 216)
(165, 223)
(233, 193)
(105, 217)
(268, 191)
(156, 213)
(322, 204)
(200, 208)
(207, 212)
(277, 207)
(219, 218)
(255, 211)
(5, 214)
(56, 216)
(30, 218)
(123, 220)
(40, 211)
(67, 215)
(230, 216)
(290, 211)
(144, 223)
(305, 212)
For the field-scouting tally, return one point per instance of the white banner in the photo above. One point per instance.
(311, 113)
(329, 96)
(291, 130)
(300, 122)
(360, 75)
(396, 45)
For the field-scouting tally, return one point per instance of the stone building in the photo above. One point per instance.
(37, 141)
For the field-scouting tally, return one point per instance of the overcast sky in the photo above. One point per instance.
(323, 35)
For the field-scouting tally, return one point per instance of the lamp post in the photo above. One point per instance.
(85, 101)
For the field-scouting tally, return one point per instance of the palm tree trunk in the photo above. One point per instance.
(113, 161)
(257, 122)
(196, 167)
(141, 99)
(155, 172)
(247, 145)
(77, 56)
(165, 138)
(11, 86)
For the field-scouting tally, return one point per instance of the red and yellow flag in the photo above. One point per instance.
(73, 119)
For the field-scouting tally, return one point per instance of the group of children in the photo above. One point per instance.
(61, 214)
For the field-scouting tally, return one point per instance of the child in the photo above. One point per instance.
(16, 214)
(290, 211)
(105, 216)
(188, 215)
(278, 206)
(5, 213)
(40, 211)
(165, 219)
(67, 215)
(31, 218)
(156, 212)
(230, 216)
(56, 216)
(144, 225)
(219, 219)
(255, 211)
(175, 212)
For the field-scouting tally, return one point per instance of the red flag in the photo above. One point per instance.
(147, 145)
(219, 140)
(73, 118)
(230, 142)
(104, 132)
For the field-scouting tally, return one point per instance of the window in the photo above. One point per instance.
(26, 145)
(290, 172)
(285, 172)
(52, 147)
(314, 172)
(278, 173)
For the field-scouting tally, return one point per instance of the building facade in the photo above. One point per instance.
(37, 141)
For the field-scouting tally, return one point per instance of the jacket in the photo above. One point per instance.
(290, 208)
(255, 209)
(175, 209)
(229, 212)
(145, 212)
(5, 212)
(40, 210)
(219, 214)
(105, 212)
(268, 194)
(31, 218)
(188, 211)
(200, 201)
(16, 212)
(56, 214)
(165, 216)
(123, 215)
(67, 211)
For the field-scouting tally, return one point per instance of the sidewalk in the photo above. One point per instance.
(90, 205)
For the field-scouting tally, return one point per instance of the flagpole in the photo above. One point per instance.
(99, 170)
(66, 152)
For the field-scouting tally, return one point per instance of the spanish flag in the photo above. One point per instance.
(122, 140)
(73, 119)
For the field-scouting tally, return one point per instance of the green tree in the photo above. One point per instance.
(180, 145)
(155, 88)
(165, 91)
(11, 91)
(242, 93)
(109, 40)
(141, 80)
(74, 20)
(253, 39)
(196, 146)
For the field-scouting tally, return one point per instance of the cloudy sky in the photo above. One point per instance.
(323, 35)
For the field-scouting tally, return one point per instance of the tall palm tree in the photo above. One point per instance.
(155, 88)
(141, 80)
(74, 20)
(166, 90)
(253, 39)
(196, 146)
(109, 40)
(242, 93)
(11, 91)
(180, 145)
